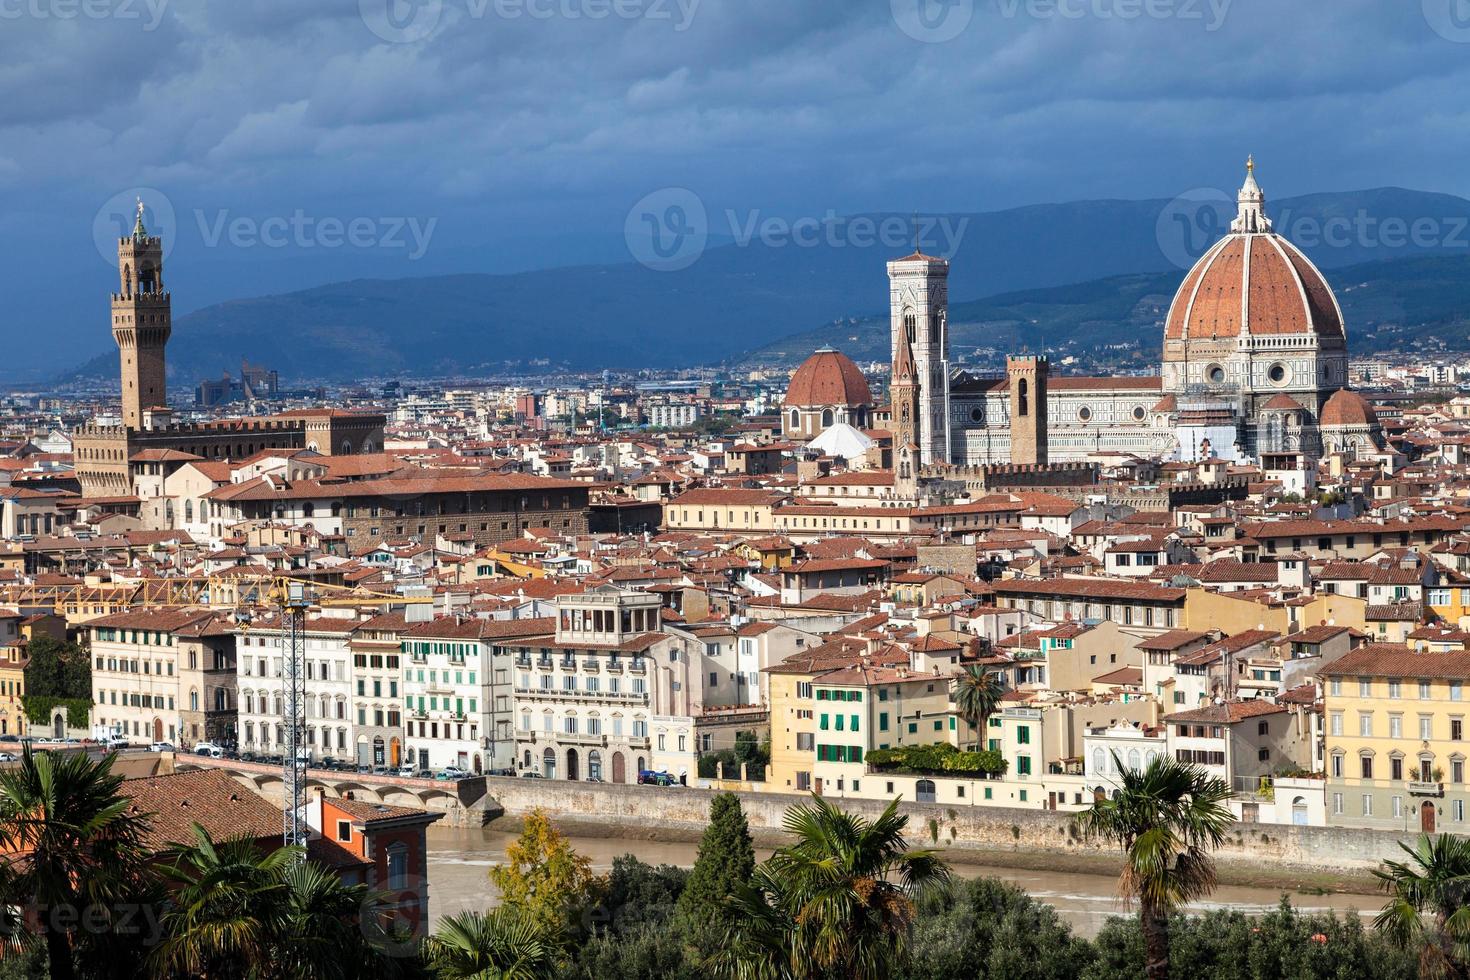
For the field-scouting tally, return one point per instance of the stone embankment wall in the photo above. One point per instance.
(1263, 854)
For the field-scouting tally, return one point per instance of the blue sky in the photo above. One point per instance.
(306, 139)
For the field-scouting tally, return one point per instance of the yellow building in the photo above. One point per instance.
(1207, 610)
(1396, 739)
(12, 689)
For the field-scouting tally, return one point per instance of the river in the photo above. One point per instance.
(459, 860)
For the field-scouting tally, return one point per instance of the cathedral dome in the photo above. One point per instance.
(1253, 282)
(828, 377)
(1347, 408)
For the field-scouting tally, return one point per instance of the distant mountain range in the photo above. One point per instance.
(1092, 272)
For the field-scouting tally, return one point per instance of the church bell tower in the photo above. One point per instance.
(142, 320)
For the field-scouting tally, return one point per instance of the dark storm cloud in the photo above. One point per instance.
(507, 117)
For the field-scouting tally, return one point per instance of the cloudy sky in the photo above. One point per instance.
(419, 136)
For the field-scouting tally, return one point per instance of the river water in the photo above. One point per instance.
(459, 860)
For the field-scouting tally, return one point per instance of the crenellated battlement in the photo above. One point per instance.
(160, 298)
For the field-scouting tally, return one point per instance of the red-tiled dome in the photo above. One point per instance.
(1284, 293)
(1253, 282)
(1347, 408)
(828, 377)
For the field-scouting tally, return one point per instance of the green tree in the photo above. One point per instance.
(977, 696)
(57, 670)
(84, 849)
(1167, 818)
(504, 944)
(552, 884)
(985, 928)
(1228, 945)
(839, 902)
(726, 861)
(1428, 910)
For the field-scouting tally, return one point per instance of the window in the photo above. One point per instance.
(1365, 687)
(1365, 764)
(1367, 804)
(1457, 729)
(1365, 724)
(1395, 726)
(344, 830)
(1335, 723)
(1426, 727)
(1337, 804)
(397, 866)
(1395, 768)
(1393, 688)
(1457, 810)
(1423, 690)
(1023, 734)
(1334, 687)
(1456, 690)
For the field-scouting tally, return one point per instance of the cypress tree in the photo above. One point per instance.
(726, 859)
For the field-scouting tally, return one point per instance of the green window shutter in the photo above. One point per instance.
(854, 722)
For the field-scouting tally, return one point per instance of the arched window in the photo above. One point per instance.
(1133, 759)
(933, 328)
(827, 418)
(1099, 760)
(1023, 389)
(924, 791)
(910, 324)
(308, 509)
(188, 511)
(795, 419)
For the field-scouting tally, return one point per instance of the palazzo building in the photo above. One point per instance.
(110, 458)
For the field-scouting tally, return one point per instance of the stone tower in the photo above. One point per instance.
(904, 394)
(919, 303)
(142, 320)
(1027, 377)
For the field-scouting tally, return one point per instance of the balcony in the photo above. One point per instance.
(523, 661)
(614, 666)
(638, 667)
(1418, 788)
(543, 662)
(592, 664)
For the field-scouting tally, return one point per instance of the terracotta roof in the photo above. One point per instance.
(828, 377)
(1347, 408)
(1230, 711)
(1254, 284)
(210, 797)
(1391, 660)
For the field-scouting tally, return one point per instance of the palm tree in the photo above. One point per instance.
(1429, 903)
(837, 902)
(227, 906)
(83, 849)
(501, 945)
(976, 697)
(1167, 818)
(325, 926)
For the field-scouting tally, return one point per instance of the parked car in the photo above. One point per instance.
(116, 743)
(8, 757)
(648, 777)
(161, 747)
(9, 738)
(532, 774)
(407, 771)
(209, 750)
(453, 773)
